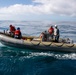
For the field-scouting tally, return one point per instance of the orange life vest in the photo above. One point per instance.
(51, 30)
(17, 32)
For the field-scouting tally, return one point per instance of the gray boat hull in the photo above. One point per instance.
(37, 45)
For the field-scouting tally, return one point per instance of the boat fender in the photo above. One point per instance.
(46, 44)
(69, 45)
(58, 45)
(35, 43)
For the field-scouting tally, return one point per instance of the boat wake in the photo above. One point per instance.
(11, 52)
(71, 56)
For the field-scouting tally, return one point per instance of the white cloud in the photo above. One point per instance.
(60, 7)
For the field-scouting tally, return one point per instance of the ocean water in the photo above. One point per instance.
(14, 61)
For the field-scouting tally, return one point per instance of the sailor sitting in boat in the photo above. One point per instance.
(43, 36)
(17, 33)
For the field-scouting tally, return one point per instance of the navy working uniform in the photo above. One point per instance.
(56, 33)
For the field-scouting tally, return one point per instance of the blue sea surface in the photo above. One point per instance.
(14, 61)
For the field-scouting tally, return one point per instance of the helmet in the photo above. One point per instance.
(55, 25)
(10, 25)
(18, 28)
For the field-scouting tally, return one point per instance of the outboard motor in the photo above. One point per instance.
(70, 41)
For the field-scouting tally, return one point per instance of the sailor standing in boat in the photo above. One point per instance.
(56, 33)
(12, 30)
(50, 33)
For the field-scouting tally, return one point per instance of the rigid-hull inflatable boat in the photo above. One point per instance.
(35, 43)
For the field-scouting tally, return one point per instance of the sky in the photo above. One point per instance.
(38, 10)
